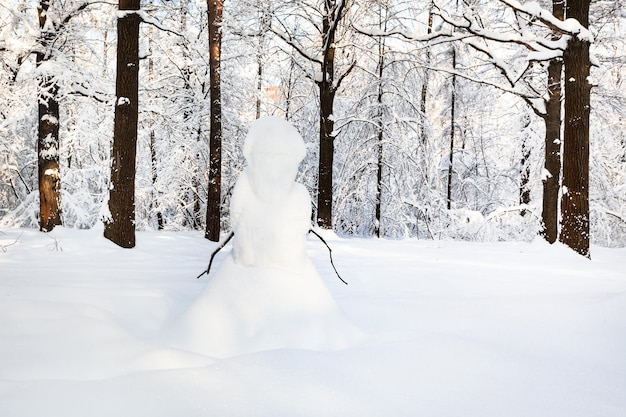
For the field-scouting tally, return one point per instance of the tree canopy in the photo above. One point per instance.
(423, 119)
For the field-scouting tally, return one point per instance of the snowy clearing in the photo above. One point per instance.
(453, 329)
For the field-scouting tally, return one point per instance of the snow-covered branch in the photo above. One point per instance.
(569, 27)
(500, 87)
(411, 36)
(80, 90)
(75, 12)
(543, 48)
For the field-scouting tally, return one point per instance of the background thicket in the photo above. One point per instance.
(436, 133)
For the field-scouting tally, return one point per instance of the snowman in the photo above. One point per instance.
(270, 212)
(266, 294)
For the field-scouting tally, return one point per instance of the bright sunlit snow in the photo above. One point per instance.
(452, 329)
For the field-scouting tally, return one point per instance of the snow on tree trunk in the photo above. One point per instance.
(48, 159)
(575, 199)
(48, 131)
(120, 227)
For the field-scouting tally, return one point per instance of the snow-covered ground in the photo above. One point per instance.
(452, 329)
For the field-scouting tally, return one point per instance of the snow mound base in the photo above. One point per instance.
(250, 309)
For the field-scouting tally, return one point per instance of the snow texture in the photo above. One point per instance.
(454, 329)
(267, 294)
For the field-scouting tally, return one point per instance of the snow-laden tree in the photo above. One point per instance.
(46, 53)
(607, 171)
(391, 116)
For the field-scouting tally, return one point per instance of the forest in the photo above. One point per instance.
(478, 120)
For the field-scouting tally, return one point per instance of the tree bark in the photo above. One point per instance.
(326, 155)
(380, 116)
(214, 194)
(552, 165)
(327, 124)
(575, 199)
(553, 142)
(120, 228)
(47, 133)
(524, 190)
(428, 59)
(452, 130)
(154, 164)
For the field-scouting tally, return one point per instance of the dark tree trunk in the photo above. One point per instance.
(120, 228)
(575, 200)
(551, 180)
(214, 194)
(327, 151)
(553, 142)
(47, 134)
(452, 130)
(380, 116)
(327, 125)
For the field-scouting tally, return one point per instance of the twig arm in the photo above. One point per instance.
(330, 254)
(215, 251)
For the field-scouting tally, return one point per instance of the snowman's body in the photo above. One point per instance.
(269, 233)
(266, 294)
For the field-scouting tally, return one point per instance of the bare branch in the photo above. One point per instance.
(153, 22)
(4, 247)
(289, 41)
(344, 75)
(485, 82)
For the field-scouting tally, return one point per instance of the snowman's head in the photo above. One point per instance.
(273, 150)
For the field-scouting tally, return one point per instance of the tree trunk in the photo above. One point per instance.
(327, 151)
(452, 130)
(327, 124)
(214, 194)
(47, 134)
(524, 190)
(120, 228)
(154, 165)
(195, 184)
(575, 199)
(551, 180)
(380, 117)
(424, 93)
(154, 207)
(552, 119)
